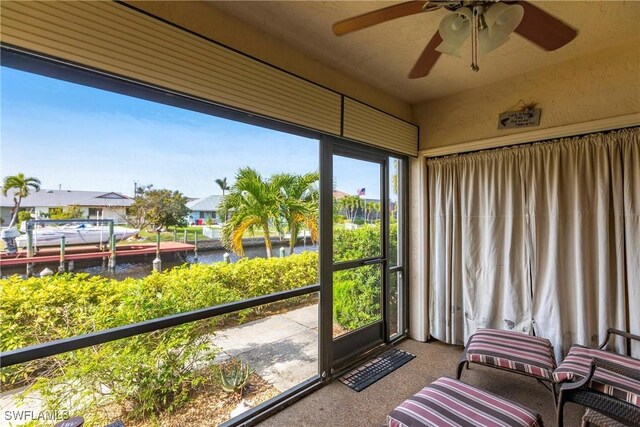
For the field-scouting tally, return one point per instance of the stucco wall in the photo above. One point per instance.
(597, 86)
(205, 19)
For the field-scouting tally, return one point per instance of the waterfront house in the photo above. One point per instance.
(93, 204)
(204, 209)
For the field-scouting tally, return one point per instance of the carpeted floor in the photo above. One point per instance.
(338, 405)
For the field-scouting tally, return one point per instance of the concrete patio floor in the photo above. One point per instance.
(282, 349)
(338, 405)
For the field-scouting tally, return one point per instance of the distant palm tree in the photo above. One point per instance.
(252, 204)
(373, 210)
(224, 186)
(298, 203)
(222, 183)
(394, 177)
(350, 205)
(22, 187)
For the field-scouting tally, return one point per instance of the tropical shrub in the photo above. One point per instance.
(143, 374)
(71, 212)
(158, 208)
(356, 291)
(37, 310)
(356, 296)
(23, 216)
(350, 244)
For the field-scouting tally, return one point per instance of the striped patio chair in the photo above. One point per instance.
(447, 402)
(512, 351)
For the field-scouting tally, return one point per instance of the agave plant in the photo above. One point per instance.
(234, 376)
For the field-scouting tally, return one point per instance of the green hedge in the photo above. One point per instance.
(356, 291)
(145, 374)
(37, 310)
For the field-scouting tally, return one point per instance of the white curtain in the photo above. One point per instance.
(542, 239)
(631, 201)
(477, 246)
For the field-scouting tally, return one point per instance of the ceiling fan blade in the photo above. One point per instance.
(376, 17)
(427, 58)
(543, 29)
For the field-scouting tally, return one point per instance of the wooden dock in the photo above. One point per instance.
(75, 253)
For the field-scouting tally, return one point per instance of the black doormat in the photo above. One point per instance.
(367, 374)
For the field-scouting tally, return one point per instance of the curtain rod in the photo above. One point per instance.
(539, 135)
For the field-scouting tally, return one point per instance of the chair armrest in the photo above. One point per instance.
(620, 333)
(584, 381)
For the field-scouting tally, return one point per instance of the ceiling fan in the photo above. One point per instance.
(488, 23)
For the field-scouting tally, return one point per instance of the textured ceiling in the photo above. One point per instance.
(384, 54)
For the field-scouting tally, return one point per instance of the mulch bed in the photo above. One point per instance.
(212, 406)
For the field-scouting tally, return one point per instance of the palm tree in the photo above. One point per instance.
(21, 187)
(394, 177)
(224, 186)
(298, 203)
(373, 210)
(394, 187)
(252, 203)
(222, 183)
(351, 204)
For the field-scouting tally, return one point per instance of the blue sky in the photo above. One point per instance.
(82, 138)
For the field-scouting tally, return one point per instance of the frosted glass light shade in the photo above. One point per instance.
(455, 28)
(449, 49)
(486, 44)
(502, 19)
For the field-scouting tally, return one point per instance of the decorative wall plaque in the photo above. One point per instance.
(519, 119)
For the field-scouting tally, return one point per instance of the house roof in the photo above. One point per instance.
(55, 198)
(337, 194)
(209, 203)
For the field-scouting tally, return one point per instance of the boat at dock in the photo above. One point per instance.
(75, 234)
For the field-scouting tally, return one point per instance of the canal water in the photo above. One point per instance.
(142, 269)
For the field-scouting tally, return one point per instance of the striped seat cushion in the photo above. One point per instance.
(576, 366)
(512, 350)
(449, 402)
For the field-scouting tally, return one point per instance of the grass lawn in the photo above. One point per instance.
(169, 236)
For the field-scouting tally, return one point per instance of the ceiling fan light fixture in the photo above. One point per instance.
(487, 22)
(502, 19)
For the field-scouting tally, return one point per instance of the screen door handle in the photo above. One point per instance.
(373, 261)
